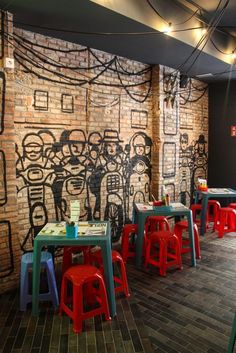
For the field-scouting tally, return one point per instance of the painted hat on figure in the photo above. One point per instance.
(201, 139)
(111, 136)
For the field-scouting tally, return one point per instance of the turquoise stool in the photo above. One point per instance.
(232, 337)
(47, 263)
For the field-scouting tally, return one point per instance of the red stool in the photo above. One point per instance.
(196, 209)
(154, 224)
(178, 231)
(213, 209)
(127, 249)
(80, 276)
(232, 205)
(121, 282)
(169, 251)
(226, 221)
(68, 254)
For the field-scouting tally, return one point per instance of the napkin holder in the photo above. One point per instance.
(71, 231)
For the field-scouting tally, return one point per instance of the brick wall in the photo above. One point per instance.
(84, 129)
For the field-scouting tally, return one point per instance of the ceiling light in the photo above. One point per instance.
(203, 31)
(233, 56)
(168, 29)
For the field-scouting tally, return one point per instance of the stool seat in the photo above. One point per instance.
(47, 263)
(83, 278)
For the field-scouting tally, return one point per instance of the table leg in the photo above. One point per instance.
(36, 277)
(203, 214)
(139, 241)
(191, 238)
(108, 271)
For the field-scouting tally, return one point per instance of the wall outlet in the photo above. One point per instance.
(9, 63)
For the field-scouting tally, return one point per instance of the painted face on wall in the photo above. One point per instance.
(111, 148)
(184, 141)
(139, 145)
(33, 151)
(76, 148)
(94, 145)
(32, 147)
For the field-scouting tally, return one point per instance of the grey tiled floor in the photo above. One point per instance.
(187, 311)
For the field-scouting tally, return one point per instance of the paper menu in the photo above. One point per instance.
(219, 190)
(74, 210)
(85, 229)
(144, 207)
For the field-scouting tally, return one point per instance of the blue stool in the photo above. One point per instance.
(232, 337)
(46, 262)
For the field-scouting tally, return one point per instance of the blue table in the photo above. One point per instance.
(206, 195)
(45, 239)
(141, 212)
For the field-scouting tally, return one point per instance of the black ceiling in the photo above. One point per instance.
(73, 16)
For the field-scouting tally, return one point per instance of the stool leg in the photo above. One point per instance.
(124, 279)
(63, 293)
(147, 254)
(77, 308)
(196, 241)
(124, 246)
(52, 285)
(104, 299)
(24, 287)
(178, 253)
(67, 260)
(163, 258)
(178, 232)
(232, 337)
(222, 223)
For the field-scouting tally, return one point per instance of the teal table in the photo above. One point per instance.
(206, 195)
(141, 212)
(43, 239)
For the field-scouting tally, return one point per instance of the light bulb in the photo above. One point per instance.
(203, 31)
(168, 29)
(233, 55)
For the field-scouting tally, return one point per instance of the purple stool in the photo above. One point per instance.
(47, 263)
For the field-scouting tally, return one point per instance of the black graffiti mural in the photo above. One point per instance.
(192, 165)
(105, 174)
(6, 253)
(2, 99)
(3, 182)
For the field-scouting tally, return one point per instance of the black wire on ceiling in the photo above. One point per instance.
(123, 86)
(20, 40)
(211, 31)
(71, 81)
(105, 65)
(204, 39)
(219, 50)
(168, 21)
(82, 82)
(20, 58)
